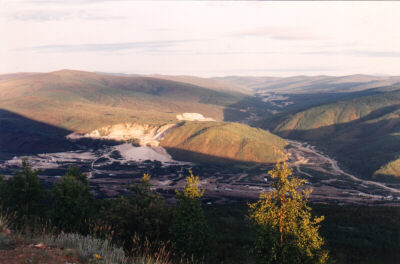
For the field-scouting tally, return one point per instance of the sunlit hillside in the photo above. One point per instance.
(83, 101)
(392, 168)
(213, 141)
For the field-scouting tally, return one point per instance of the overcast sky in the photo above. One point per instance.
(201, 38)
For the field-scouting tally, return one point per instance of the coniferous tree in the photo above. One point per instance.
(143, 215)
(2, 190)
(73, 202)
(190, 230)
(149, 210)
(23, 196)
(285, 229)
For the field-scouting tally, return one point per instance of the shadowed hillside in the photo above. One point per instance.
(362, 132)
(19, 134)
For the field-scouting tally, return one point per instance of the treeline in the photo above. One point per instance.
(285, 231)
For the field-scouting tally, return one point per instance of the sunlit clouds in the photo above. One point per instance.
(201, 38)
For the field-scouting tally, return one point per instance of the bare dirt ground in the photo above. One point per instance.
(30, 254)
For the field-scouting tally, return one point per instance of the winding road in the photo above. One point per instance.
(301, 153)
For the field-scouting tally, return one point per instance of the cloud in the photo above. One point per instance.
(278, 33)
(354, 52)
(235, 53)
(300, 69)
(107, 47)
(57, 15)
(62, 2)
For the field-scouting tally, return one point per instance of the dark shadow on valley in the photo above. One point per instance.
(243, 109)
(20, 135)
(188, 155)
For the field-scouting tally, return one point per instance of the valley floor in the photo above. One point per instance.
(110, 168)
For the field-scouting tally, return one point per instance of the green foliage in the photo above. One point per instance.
(2, 189)
(286, 231)
(73, 202)
(23, 196)
(191, 190)
(144, 214)
(189, 229)
(233, 235)
(362, 234)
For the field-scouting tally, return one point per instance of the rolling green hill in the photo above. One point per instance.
(340, 112)
(362, 132)
(216, 141)
(83, 101)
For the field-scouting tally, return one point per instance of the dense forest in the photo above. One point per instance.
(280, 227)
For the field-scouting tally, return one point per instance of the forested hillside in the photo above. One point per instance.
(362, 132)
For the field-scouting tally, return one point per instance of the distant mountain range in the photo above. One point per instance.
(355, 118)
(312, 84)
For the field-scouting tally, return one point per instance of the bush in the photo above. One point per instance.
(89, 248)
(4, 232)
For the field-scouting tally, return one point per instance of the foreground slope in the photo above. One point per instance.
(361, 132)
(216, 141)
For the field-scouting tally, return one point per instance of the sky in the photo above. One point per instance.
(201, 38)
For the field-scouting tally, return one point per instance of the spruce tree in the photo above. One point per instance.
(73, 202)
(285, 230)
(190, 230)
(23, 196)
(142, 215)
